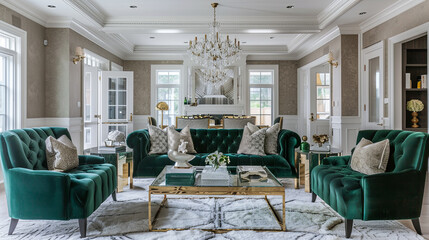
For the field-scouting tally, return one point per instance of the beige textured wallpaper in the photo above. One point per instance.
(409, 19)
(349, 75)
(35, 60)
(142, 75)
(288, 85)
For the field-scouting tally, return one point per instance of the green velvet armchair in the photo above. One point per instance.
(395, 194)
(33, 192)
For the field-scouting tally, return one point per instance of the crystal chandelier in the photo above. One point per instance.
(215, 77)
(214, 53)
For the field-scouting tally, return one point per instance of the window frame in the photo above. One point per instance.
(154, 88)
(17, 101)
(324, 99)
(273, 86)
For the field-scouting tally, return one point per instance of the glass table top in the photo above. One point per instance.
(233, 181)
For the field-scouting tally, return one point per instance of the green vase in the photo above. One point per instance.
(305, 146)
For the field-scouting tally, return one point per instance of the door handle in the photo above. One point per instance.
(97, 116)
(311, 117)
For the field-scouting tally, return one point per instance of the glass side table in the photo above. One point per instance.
(306, 160)
(123, 161)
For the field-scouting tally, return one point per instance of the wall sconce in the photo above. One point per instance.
(331, 60)
(78, 52)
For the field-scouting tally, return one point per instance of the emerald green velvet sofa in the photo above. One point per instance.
(33, 192)
(395, 194)
(207, 141)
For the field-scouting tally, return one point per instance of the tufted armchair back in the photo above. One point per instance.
(26, 148)
(407, 149)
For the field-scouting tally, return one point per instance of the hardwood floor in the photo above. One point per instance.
(424, 218)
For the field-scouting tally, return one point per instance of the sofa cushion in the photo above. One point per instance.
(61, 154)
(253, 142)
(174, 138)
(158, 140)
(370, 158)
(339, 186)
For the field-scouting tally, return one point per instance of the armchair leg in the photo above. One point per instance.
(313, 197)
(13, 223)
(349, 227)
(114, 195)
(416, 224)
(82, 227)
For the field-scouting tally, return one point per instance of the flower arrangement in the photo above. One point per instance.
(415, 105)
(217, 159)
(320, 139)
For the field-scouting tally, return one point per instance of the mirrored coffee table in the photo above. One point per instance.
(235, 188)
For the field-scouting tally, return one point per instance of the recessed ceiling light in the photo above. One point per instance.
(271, 37)
(362, 13)
(152, 37)
(52, 6)
(290, 6)
(133, 6)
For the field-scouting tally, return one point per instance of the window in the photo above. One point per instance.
(167, 89)
(8, 82)
(261, 85)
(323, 98)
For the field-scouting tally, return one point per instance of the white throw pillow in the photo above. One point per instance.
(371, 158)
(158, 140)
(271, 136)
(61, 154)
(252, 143)
(174, 139)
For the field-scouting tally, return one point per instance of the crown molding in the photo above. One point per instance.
(88, 10)
(349, 29)
(297, 42)
(318, 42)
(334, 10)
(33, 15)
(388, 13)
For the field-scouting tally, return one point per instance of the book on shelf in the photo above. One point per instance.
(408, 80)
(424, 81)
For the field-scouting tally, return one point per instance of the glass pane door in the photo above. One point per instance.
(374, 90)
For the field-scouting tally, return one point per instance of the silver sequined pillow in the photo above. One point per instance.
(252, 143)
(61, 154)
(370, 158)
(158, 140)
(174, 139)
(271, 137)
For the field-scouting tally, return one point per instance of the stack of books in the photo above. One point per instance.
(218, 177)
(180, 176)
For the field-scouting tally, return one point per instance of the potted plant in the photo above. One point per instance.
(415, 106)
(217, 159)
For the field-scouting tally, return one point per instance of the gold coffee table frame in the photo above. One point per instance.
(156, 189)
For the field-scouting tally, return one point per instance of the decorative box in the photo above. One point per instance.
(180, 177)
(215, 177)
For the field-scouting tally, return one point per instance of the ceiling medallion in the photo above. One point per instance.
(214, 53)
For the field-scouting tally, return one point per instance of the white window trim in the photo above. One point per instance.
(275, 99)
(104, 63)
(20, 71)
(116, 67)
(153, 92)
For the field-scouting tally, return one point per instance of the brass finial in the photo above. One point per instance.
(304, 138)
(214, 5)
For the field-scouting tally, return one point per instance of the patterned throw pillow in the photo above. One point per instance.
(174, 139)
(370, 158)
(271, 137)
(252, 143)
(158, 140)
(61, 154)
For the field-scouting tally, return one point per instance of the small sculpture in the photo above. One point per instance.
(114, 137)
(182, 146)
(305, 146)
(320, 139)
(181, 159)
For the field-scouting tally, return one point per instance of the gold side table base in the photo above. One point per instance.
(281, 221)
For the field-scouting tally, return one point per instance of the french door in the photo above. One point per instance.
(90, 104)
(372, 87)
(116, 103)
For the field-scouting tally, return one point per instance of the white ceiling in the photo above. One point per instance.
(265, 26)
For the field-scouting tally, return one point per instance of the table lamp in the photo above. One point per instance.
(162, 106)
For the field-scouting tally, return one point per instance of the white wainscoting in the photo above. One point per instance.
(74, 125)
(345, 131)
(290, 122)
(215, 109)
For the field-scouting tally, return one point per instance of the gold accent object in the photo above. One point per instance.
(162, 106)
(79, 55)
(414, 120)
(331, 60)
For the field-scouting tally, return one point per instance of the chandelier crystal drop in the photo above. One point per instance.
(215, 77)
(213, 52)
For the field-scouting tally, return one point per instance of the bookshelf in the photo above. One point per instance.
(414, 62)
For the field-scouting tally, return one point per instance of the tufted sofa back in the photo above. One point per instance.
(222, 140)
(408, 150)
(26, 148)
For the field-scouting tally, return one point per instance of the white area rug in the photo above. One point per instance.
(127, 219)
